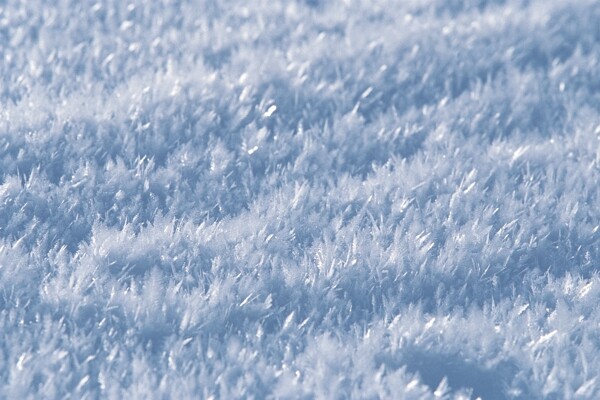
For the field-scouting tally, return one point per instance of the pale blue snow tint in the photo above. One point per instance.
(299, 199)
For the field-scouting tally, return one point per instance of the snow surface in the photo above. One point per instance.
(299, 199)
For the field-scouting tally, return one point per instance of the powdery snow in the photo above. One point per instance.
(299, 199)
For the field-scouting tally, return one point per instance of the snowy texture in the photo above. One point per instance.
(299, 199)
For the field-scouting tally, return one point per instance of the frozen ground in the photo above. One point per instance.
(309, 199)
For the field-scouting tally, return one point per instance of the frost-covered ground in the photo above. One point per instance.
(309, 199)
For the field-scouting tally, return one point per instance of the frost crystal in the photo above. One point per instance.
(299, 199)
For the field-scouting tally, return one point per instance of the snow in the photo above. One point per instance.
(299, 199)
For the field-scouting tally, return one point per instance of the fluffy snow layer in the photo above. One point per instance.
(299, 199)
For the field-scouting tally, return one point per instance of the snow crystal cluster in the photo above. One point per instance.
(299, 199)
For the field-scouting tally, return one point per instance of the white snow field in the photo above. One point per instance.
(367, 199)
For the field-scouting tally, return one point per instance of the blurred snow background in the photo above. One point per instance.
(299, 199)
